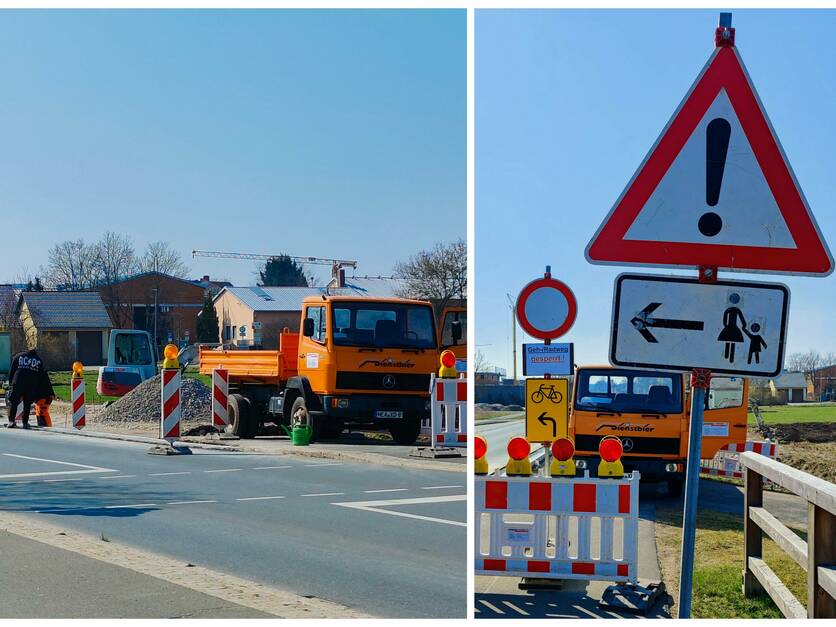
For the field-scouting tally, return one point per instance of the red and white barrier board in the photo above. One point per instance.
(170, 422)
(220, 398)
(726, 463)
(448, 412)
(19, 412)
(556, 541)
(79, 407)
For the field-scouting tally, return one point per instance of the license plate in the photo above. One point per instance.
(388, 414)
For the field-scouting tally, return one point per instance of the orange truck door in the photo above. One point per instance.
(313, 351)
(725, 415)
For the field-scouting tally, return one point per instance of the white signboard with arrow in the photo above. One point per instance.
(678, 323)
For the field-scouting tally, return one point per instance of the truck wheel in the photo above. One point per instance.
(242, 419)
(406, 432)
(299, 413)
(674, 488)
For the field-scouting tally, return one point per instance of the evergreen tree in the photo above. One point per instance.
(282, 271)
(207, 322)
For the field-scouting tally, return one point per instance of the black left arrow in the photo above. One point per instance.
(642, 321)
(543, 419)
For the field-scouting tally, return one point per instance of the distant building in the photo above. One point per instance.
(789, 387)
(822, 384)
(65, 326)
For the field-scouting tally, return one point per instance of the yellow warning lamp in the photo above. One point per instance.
(562, 465)
(448, 366)
(518, 463)
(480, 446)
(610, 450)
(78, 370)
(170, 355)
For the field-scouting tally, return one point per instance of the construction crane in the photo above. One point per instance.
(336, 264)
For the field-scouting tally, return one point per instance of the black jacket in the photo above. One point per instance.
(29, 377)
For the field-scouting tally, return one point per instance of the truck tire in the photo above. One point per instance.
(242, 419)
(674, 488)
(299, 410)
(406, 432)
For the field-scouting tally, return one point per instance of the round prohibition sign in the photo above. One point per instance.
(546, 308)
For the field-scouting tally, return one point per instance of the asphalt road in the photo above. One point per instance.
(497, 435)
(381, 539)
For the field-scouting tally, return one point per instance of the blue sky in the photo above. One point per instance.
(567, 105)
(316, 133)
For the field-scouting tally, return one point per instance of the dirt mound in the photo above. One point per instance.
(143, 403)
(804, 432)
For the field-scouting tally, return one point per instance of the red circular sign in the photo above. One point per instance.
(563, 449)
(610, 449)
(480, 446)
(518, 448)
(546, 308)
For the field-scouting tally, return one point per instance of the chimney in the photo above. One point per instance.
(341, 281)
(205, 278)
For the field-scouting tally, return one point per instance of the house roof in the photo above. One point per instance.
(290, 298)
(790, 380)
(66, 310)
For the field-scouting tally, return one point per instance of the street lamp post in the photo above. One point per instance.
(513, 307)
(155, 290)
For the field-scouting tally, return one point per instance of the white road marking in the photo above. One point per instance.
(259, 498)
(516, 609)
(390, 490)
(87, 469)
(118, 477)
(491, 606)
(129, 506)
(324, 464)
(188, 502)
(324, 494)
(167, 474)
(586, 611)
(61, 480)
(442, 487)
(225, 470)
(270, 467)
(376, 506)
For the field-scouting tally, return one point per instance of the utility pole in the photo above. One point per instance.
(154, 289)
(512, 306)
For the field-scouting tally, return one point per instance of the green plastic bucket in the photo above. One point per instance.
(300, 436)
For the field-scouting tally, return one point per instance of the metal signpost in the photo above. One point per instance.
(715, 192)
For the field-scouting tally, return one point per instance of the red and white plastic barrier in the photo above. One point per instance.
(448, 412)
(170, 422)
(19, 412)
(78, 403)
(726, 463)
(555, 541)
(220, 398)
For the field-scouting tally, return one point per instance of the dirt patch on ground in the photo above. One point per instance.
(804, 432)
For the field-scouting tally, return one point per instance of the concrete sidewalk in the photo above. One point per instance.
(42, 581)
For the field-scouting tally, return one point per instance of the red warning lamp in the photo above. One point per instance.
(563, 449)
(610, 449)
(518, 448)
(480, 447)
(448, 359)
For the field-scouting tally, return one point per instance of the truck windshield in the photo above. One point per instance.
(634, 391)
(379, 325)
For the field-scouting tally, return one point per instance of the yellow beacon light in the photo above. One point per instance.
(78, 370)
(448, 366)
(170, 355)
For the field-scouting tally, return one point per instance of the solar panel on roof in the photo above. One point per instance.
(260, 292)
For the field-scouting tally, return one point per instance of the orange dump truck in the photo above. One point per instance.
(650, 412)
(359, 361)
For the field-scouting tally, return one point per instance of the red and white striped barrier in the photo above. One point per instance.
(79, 407)
(19, 412)
(220, 398)
(556, 539)
(448, 412)
(726, 463)
(170, 422)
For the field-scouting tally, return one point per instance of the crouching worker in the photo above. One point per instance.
(29, 384)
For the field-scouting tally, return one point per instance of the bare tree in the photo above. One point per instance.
(807, 363)
(161, 257)
(480, 362)
(71, 265)
(439, 274)
(115, 259)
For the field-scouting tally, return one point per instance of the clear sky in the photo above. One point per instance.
(567, 105)
(315, 133)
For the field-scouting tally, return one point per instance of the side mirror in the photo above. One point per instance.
(308, 327)
(456, 330)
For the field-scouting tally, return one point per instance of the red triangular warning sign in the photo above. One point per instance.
(715, 189)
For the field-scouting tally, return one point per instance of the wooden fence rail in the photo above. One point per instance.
(817, 555)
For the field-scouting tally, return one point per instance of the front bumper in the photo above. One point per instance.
(362, 408)
(652, 470)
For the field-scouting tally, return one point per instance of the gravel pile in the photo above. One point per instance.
(142, 404)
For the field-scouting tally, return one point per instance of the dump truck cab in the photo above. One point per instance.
(650, 412)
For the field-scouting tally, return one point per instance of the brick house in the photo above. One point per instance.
(65, 326)
(822, 383)
(132, 303)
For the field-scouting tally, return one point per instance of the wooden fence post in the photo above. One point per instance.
(752, 534)
(821, 551)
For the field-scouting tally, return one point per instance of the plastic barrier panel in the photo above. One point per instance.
(79, 407)
(170, 422)
(448, 412)
(220, 398)
(558, 527)
(726, 463)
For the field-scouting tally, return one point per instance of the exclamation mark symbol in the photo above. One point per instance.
(716, 148)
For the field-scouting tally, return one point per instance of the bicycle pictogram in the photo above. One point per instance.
(546, 392)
